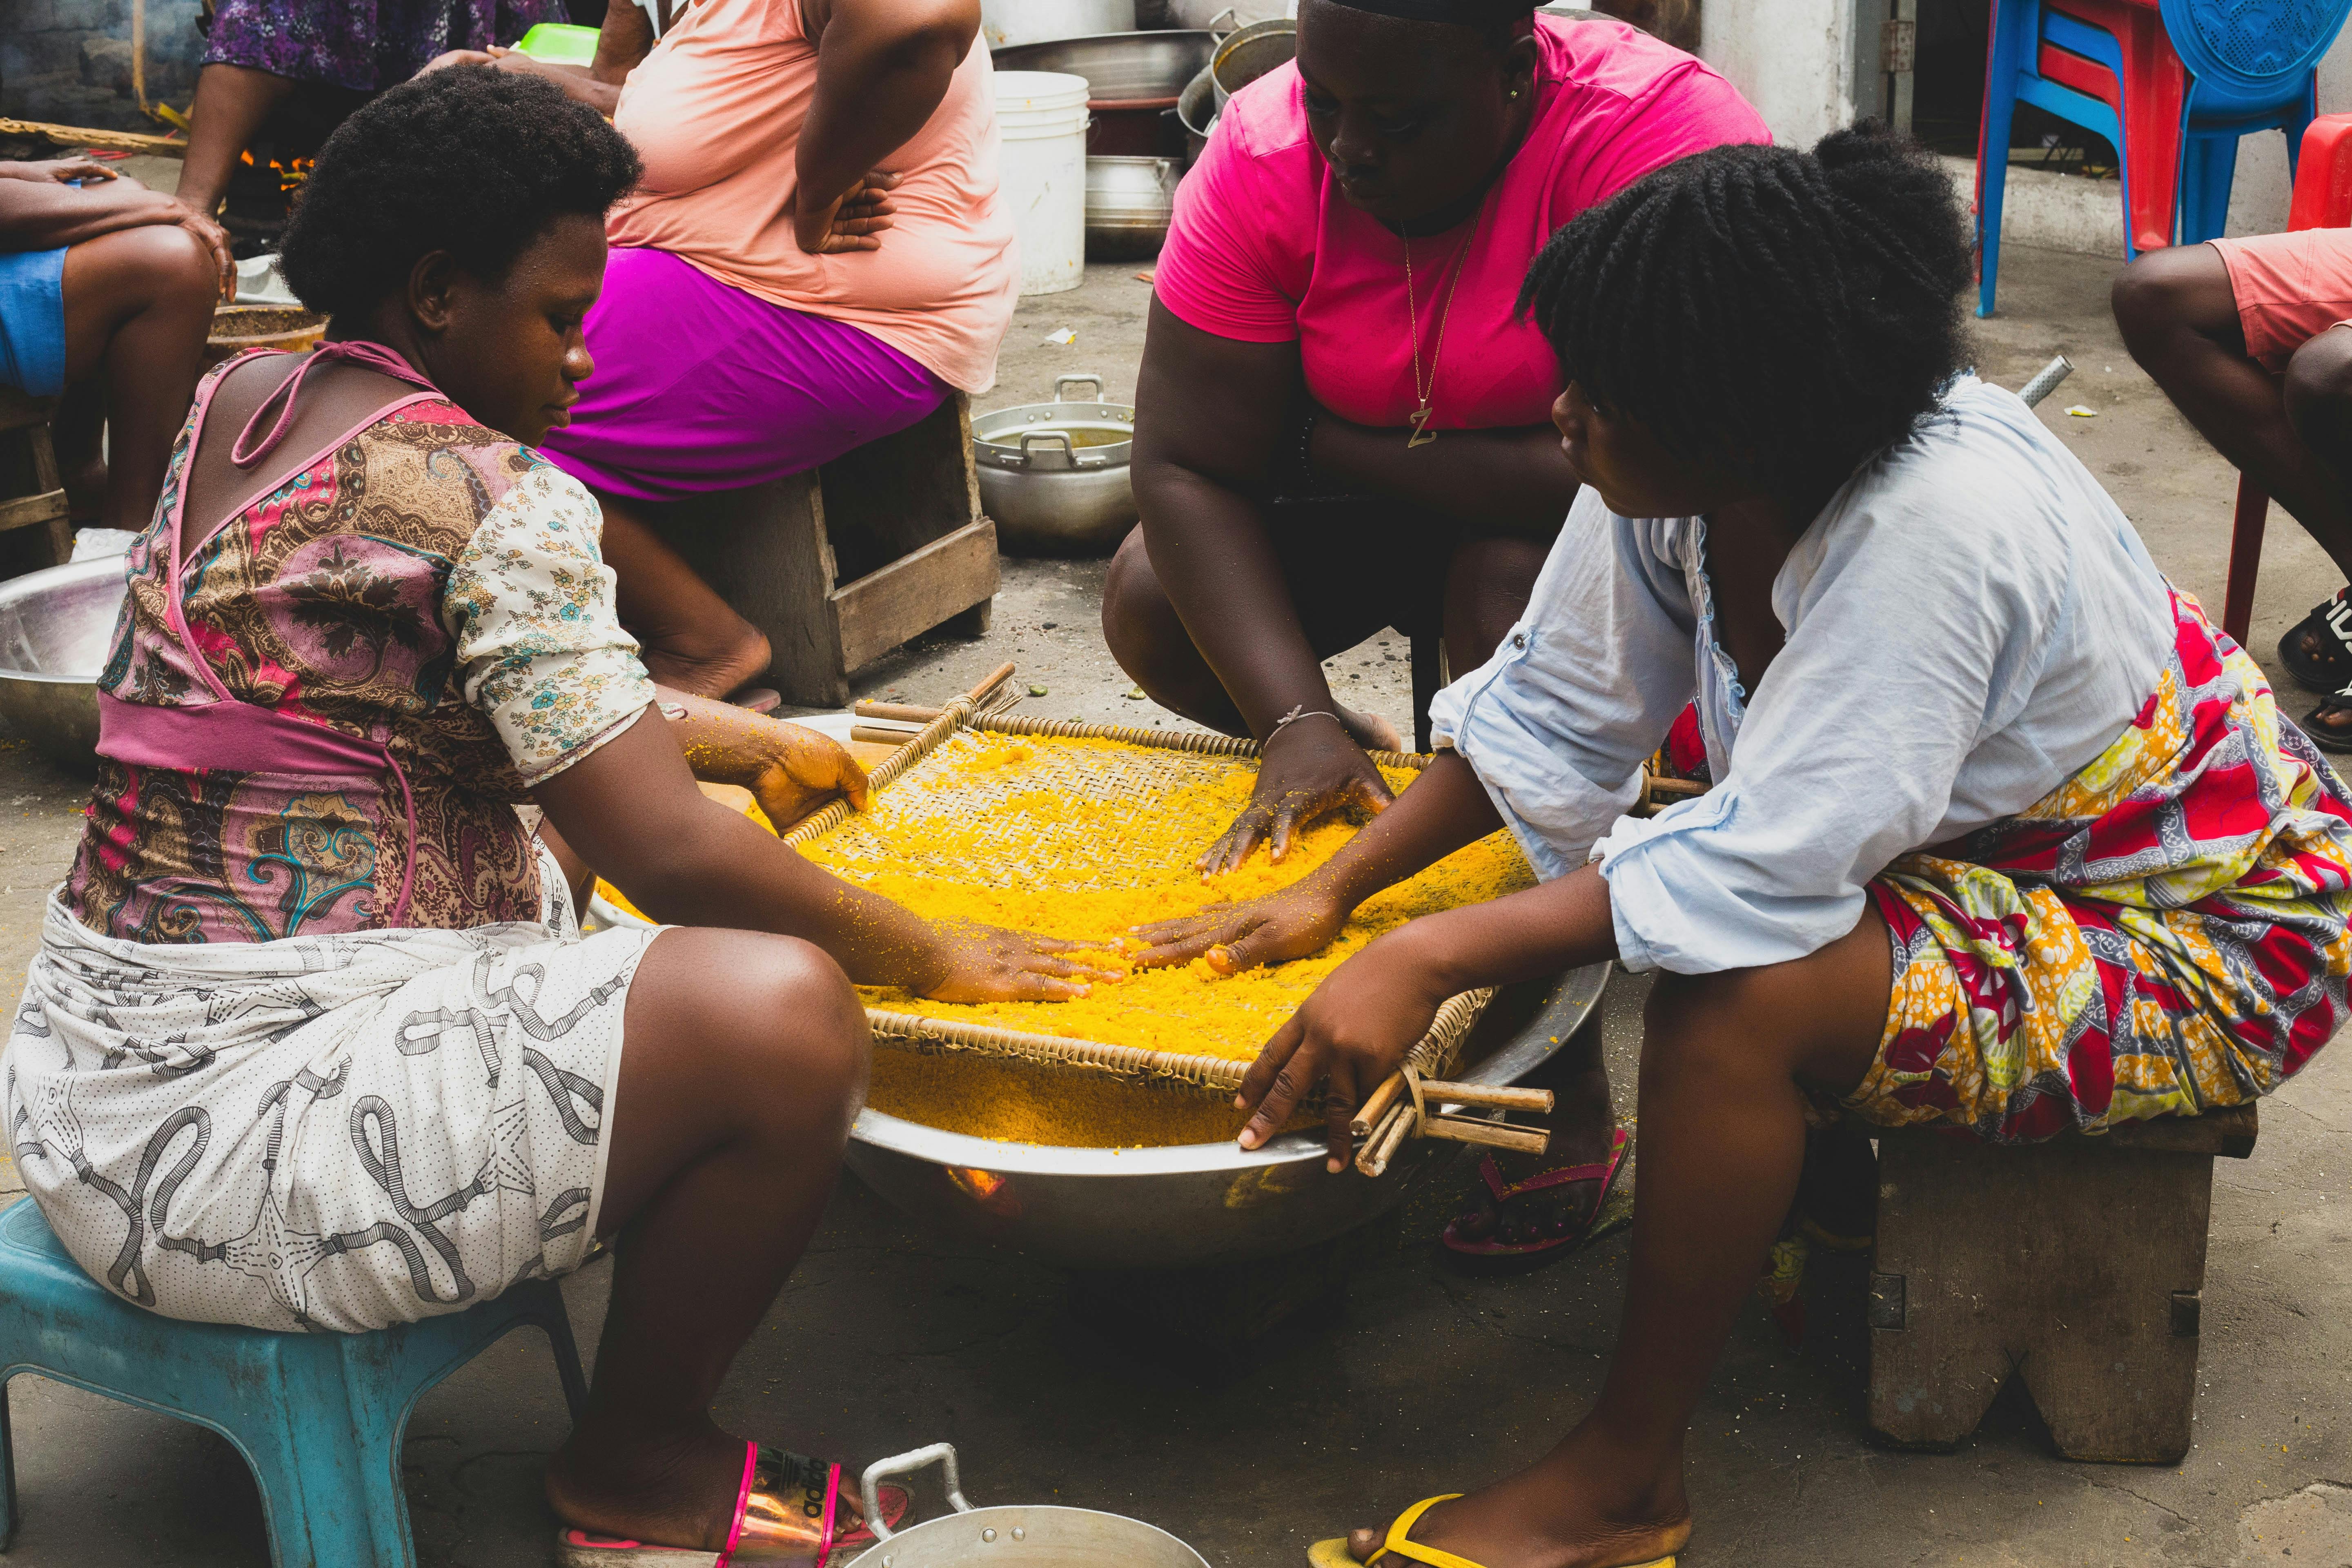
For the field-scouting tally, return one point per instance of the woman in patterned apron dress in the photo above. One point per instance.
(314, 1041)
(2003, 836)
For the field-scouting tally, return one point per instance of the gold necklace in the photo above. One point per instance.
(1426, 393)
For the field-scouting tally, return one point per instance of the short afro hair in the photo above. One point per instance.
(1785, 314)
(468, 159)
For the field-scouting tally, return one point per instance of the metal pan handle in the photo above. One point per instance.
(869, 1490)
(1068, 455)
(1227, 14)
(1081, 379)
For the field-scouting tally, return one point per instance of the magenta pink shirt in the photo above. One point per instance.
(1265, 249)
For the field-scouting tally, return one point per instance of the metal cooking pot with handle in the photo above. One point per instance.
(1055, 475)
(1039, 1537)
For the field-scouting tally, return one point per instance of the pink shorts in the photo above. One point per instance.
(2290, 288)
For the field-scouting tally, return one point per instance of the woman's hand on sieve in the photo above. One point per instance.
(989, 963)
(1311, 769)
(1299, 921)
(1349, 1035)
(790, 769)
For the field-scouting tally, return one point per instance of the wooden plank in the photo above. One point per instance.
(914, 593)
(2076, 1263)
(90, 136)
(18, 409)
(25, 511)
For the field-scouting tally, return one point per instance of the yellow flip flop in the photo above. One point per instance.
(1335, 1554)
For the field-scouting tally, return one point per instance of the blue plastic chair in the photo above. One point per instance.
(2248, 68)
(318, 1416)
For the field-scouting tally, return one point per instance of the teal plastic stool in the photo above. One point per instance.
(318, 1416)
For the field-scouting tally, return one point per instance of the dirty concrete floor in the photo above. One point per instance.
(1427, 1380)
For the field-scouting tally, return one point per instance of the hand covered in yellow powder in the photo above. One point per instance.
(1299, 921)
(988, 964)
(790, 770)
(1349, 1035)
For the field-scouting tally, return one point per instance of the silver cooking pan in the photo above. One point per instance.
(1019, 1537)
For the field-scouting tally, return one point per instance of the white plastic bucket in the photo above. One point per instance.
(1041, 118)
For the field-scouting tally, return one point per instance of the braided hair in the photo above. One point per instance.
(1784, 315)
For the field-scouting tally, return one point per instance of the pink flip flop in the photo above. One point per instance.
(785, 1517)
(1605, 1173)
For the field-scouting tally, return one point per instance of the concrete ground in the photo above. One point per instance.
(1427, 1380)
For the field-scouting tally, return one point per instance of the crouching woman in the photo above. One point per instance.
(2005, 836)
(313, 1040)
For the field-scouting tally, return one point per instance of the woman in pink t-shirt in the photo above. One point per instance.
(1344, 419)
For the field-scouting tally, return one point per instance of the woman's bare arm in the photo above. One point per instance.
(882, 68)
(1513, 477)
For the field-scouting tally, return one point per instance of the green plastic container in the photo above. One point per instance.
(560, 43)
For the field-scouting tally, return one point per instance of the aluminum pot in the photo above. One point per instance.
(1192, 1205)
(1006, 23)
(1129, 202)
(1132, 83)
(1245, 56)
(56, 628)
(1038, 1537)
(1054, 475)
(1196, 111)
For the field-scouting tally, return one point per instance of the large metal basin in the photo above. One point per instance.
(1119, 66)
(1195, 1205)
(56, 628)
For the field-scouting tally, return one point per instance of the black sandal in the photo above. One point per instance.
(2330, 622)
(2336, 738)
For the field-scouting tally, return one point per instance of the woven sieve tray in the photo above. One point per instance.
(1129, 783)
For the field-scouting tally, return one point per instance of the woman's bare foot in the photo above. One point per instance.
(1370, 731)
(1563, 1513)
(680, 1492)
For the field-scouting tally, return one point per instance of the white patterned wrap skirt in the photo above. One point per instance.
(328, 1133)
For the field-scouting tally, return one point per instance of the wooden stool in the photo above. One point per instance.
(841, 564)
(2074, 1263)
(30, 493)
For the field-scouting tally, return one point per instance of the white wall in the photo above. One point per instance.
(1793, 59)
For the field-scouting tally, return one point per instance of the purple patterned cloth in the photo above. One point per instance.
(699, 386)
(363, 44)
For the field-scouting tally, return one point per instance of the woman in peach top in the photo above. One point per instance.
(817, 258)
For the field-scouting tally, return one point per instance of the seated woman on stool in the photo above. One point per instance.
(107, 292)
(384, 1074)
(2004, 834)
(2252, 339)
(817, 258)
(1343, 421)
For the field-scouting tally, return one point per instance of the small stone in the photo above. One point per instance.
(1047, 626)
(1036, 691)
(1135, 694)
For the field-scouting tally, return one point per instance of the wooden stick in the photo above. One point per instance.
(1523, 1140)
(884, 734)
(1487, 1095)
(1373, 1159)
(1376, 1106)
(86, 136)
(1679, 789)
(899, 710)
(980, 694)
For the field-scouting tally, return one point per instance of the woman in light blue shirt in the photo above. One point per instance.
(2004, 834)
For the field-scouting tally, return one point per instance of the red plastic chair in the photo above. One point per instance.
(2323, 199)
(2147, 101)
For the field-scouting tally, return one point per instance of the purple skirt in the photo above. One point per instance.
(699, 386)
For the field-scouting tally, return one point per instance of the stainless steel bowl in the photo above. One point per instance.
(1054, 475)
(1193, 1205)
(1008, 24)
(56, 627)
(1129, 202)
(1119, 66)
(1245, 56)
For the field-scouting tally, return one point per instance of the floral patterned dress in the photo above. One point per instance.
(239, 1091)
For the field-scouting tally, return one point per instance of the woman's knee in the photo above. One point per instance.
(1139, 622)
(2317, 387)
(802, 1016)
(2184, 288)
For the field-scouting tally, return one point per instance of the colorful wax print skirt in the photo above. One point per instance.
(335, 1131)
(2164, 932)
